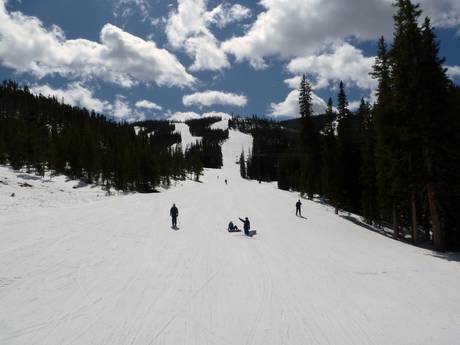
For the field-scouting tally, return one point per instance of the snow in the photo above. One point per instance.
(35, 192)
(187, 138)
(114, 272)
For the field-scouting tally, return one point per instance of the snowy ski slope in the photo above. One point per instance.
(114, 272)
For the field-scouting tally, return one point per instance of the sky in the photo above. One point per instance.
(164, 59)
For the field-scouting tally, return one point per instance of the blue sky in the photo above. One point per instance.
(142, 59)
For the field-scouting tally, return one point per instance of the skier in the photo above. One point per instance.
(247, 227)
(232, 227)
(298, 212)
(174, 212)
(225, 181)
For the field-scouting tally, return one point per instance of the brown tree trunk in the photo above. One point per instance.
(439, 237)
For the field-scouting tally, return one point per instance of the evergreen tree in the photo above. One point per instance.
(348, 179)
(242, 166)
(310, 144)
(329, 158)
(434, 131)
(405, 79)
(369, 201)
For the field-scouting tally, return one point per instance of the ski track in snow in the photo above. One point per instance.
(114, 272)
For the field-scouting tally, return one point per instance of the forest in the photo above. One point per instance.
(41, 134)
(394, 162)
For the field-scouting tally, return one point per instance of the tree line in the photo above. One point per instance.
(395, 162)
(209, 149)
(42, 134)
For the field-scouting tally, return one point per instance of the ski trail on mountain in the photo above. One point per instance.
(114, 272)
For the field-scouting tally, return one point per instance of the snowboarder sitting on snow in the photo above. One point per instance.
(232, 227)
(174, 212)
(247, 226)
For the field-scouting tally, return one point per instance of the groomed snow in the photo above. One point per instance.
(114, 272)
(187, 138)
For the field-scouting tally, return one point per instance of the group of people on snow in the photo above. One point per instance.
(174, 213)
(246, 227)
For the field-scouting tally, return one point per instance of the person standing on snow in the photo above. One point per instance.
(174, 212)
(247, 225)
(298, 211)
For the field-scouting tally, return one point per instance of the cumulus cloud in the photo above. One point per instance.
(190, 115)
(188, 28)
(444, 13)
(209, 98)
(290, 106)
(453, 71)
(74, 94)
(78, 95)
(224, 14)
(294, 82)
(344, 62)
(148, 105)
(27, 46)
(302, 27)
(183, 116)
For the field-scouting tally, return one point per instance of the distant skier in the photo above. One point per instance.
(174, 212)
(247, 227)
(225, 181)
(298, 211)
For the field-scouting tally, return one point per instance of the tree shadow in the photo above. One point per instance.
(450, 256)
(29, 177)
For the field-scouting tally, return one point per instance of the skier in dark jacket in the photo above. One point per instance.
(174, 212)
(232, 227)
(247, 225)
(298, 211)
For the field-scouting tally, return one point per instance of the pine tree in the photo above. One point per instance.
(434, 130)
(405, 79)
(329, 158)
(348, 195)
(242, 166)
(310, 144)
(369, 201)
(386, 142)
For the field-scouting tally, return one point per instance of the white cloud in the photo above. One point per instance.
(302, 27)
(290, 106)
(74, 94)
(444, 13)
(27, 46)
(453, 71)
(209, 98)
(183, 116)
(345, 63)
(190, 115)
(224, 14)
(121, 107)
(148, 105)
(294, 82)
(187, 29)
(297, 28)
